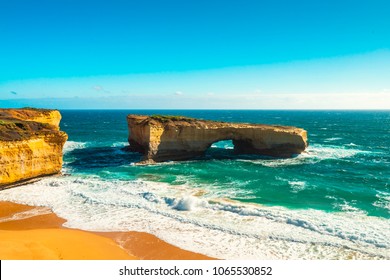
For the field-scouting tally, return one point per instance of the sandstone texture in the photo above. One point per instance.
(164, 138)
(30, 144)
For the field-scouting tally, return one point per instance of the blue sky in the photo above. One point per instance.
(195, 54)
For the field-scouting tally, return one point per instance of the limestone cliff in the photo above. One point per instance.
(51, 117)
(30, 144)
(162, 138)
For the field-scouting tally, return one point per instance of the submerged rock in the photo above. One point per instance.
(30, 144)
(164, 138)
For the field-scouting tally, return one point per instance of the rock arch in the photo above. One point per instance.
(162, 138)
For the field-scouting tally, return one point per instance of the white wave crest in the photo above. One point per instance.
(352, 145)
(73, 145)
(297, 186)
(332, 139)
(313, 154)
(226, 146)
(383, 201)
(210, 225)
(347, 207)
(120, 144)
(188, 203)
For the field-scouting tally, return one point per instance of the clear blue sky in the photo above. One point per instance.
(194, 54)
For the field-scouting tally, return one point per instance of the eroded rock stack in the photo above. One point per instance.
(30, 144)
(162, 138)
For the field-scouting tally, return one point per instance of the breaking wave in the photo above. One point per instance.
(197, 221)
(313, 154)
(73, 145)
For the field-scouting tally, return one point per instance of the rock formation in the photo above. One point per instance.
(162, 138)
(30, 144)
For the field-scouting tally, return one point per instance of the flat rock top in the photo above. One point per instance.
(19, 124)
(179, 121)
(25, 113)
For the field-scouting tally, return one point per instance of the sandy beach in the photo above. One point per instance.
(36, 233)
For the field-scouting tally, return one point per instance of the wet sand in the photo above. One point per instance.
(28, 232)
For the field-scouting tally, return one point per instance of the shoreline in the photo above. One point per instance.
(31, 232)
(129, 227)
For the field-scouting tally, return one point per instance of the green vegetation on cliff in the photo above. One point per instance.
(166, 118)
(13, 127)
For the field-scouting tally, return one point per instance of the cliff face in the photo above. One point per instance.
(177, 138)
(30, 144)
(50, 117)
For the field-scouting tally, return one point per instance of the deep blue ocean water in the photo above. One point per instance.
(347, 166)
(331, 202)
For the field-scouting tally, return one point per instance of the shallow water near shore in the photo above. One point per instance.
(333, 201)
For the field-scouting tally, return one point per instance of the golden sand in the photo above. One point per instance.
(58, 244)
(28, 233)
(146, 246)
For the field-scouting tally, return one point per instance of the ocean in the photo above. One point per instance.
(330, 202)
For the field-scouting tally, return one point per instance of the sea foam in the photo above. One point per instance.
(73, 145)
(313, 154)
(208, 224)
(383, 200)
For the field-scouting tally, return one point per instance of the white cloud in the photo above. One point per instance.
(97, 88)
(101, 89)
(359, 82)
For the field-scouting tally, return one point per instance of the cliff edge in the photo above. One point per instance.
(30, 144)
(163, 138)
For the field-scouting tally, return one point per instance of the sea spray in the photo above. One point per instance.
(99, 205)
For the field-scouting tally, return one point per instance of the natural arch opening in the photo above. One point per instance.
(220, 150)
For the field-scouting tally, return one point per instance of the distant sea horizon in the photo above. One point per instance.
(200, 109)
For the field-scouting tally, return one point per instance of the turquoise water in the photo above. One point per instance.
(331, 202)
(347, 166)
